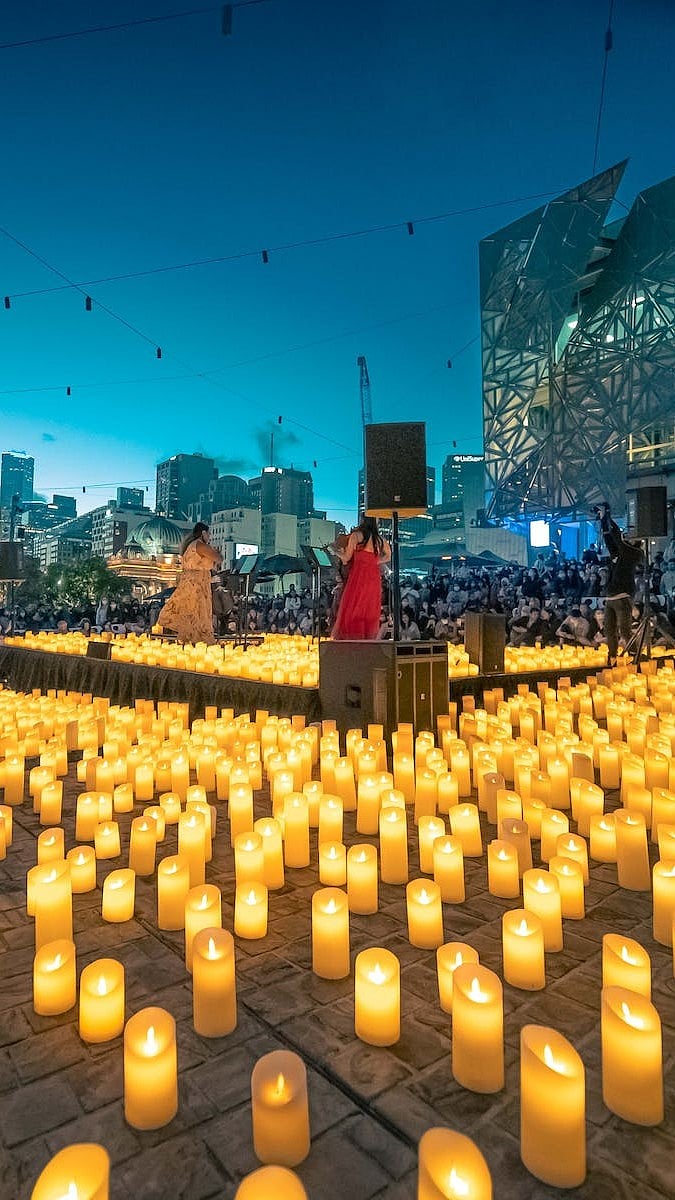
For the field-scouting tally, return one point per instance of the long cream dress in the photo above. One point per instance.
(189, 611)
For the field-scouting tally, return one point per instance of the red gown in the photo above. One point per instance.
(358, 617)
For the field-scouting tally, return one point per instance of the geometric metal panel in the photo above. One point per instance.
(578, 345)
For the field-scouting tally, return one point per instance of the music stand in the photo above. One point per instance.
(318, 559)
(247, 568)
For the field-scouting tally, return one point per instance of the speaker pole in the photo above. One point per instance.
(395, 576)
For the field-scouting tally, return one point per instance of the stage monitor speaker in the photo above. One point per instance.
(362, 683)
(11, 562)
(396, 469)
(484, 641)
(647, 512)
(99, 650)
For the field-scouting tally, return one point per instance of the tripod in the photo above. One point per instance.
(640, 641)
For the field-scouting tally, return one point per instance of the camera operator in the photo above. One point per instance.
(625, 557)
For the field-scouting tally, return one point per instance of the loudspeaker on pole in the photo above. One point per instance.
(647, 512)
(396, 469)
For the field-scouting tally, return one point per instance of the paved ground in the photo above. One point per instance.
(368, 1106)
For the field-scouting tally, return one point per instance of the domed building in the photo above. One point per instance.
(150, 556)
(159, 536)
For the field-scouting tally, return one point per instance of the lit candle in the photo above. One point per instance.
(142, 846)
(367, 804)
(51, 800)
(102, 997)
(330, 819)
(107, 840)
(273, 852)
(449, 869)
(150, 1069)
(82, 864)
(173, 885)
(271, 1181)
(249, 858)
(78, 1172)
(203, 910)
(626, 964)
(50, 845)
(6, 812)
(377, 997)
(448, 958)
(119, 896)
(240, 809)
(553, 824)
(37, 779)
(156, 813)
(663, 876)
(632, 851)
(570, 878)
(503, 876)
(523, 950)
(448, 792)
(451, 1166)
(280, 1109)
(552, 1107)
(393, 845)
(632, 1057)
(123, 798)
(362, 879)
(492, 783)
(214, 992)
(54, 978)
(558, 773)
(333, 864)
(52, 903)
(192, 845)
(590, 803)
(666, 842)
(180, 775)
(404, 776)
(169, 803)
(465, 825)
(428, 829)
(509, 804)
(296, 831)
(250, 911)
(477, 1029)
(330, 933)
(603, 838)
(425, 914)
(609, 762)
(14, 780)
(87, 816)
(426, 795)
(541, 895)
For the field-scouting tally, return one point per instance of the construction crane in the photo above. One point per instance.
(364, 389)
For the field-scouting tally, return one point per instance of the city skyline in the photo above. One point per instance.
(180, 145)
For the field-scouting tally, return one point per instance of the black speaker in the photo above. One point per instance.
(11, 561)
(383, 683)
(99, 650)
(484, 641)
(396, 469)
(647, 512)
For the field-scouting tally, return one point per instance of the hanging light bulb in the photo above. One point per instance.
(158, 352)
(8, 303)
(411, 228)
(67, 391)
(279, 420)
(87, 303)
(265, 256)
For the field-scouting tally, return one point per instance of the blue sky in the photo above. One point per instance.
(164, 143)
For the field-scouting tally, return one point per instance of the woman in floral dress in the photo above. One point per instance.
(189, 611)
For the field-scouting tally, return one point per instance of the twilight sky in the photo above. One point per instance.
(136, 149)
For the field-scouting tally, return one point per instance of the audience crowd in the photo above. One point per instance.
(553, 602)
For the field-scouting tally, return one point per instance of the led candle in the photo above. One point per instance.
(82, 864)
(296, 831)
(632, 852)
(123, 798)
(191, 845)
(313, 790)
(206, 770)
(180, 775)
(632, 1057)
(203, 910)
(626, 964)
(609, 763)
(362, 879)
(426, 794)
(156, 813)
(447, 792)
(52, 903)
(107, 840)
(662, 810)
(333, 864)
(38, 778)
(477, 1029)
(173, 885)
(14, 780)
(465, 825)
(330, 819)
(663, 876)
(279, 1109)
(523, 950)
(240, 810)
(271, 1181)
(574, 847)
(214, 993)
(78, 1172)
(517, 834)
(493, 782)
(603, 838)
(273, 852)
(104, 777)
(105, 806)
(150, 1069)
(142, 846)
(448, 958)
(377, 997)
(86, 816)
(552, 1108)
(428, 829)
(102, 996)
(460, 765)
(591, 803)
(345, 786)
(249, 858)
(533, 811)
(119, 896)
(571, 886)
(54, 978)
(250, 911)
(393, 845)
(449, 869)
(51, 800)
(503, 875)
(367, 804)
(330, 933)
(169, 803)
(666, 842)
(50, 845)
(541, 896)
(558, 773)
(451, 1166)
(425, 914)
(404, 776)
(509, 804)
(6, 812)
(553, 824)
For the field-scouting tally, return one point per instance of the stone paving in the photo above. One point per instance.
(369, 1106)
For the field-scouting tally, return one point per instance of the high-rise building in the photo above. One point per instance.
(130, 497)
(227, 491)
(181, 480)
(578, 348)
(16, 477)
(283, 490)
(463, 488)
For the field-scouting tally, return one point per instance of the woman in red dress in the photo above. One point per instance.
(358, 617)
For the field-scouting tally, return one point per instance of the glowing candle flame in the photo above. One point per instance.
(423, 896)
(475, 992)
(251, 898)
(211, 952)
(362, 857)
(523, 929)
(279, 1087)
(71, 1194)
(604, 826)
(503, 856)
(377, 975)
(150, 1046)
(115, 884)
(331, 907)
(171, 869)
(392, 816)
(447, 848)
(457, 1185)
(571, 845)
(102, 986)
(551, 1062)
(630, 1018)
(565, 870)
(627, 957)
(50, 877)
(55, 963)
(203, 901)
(459, 959)
(248, 845)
